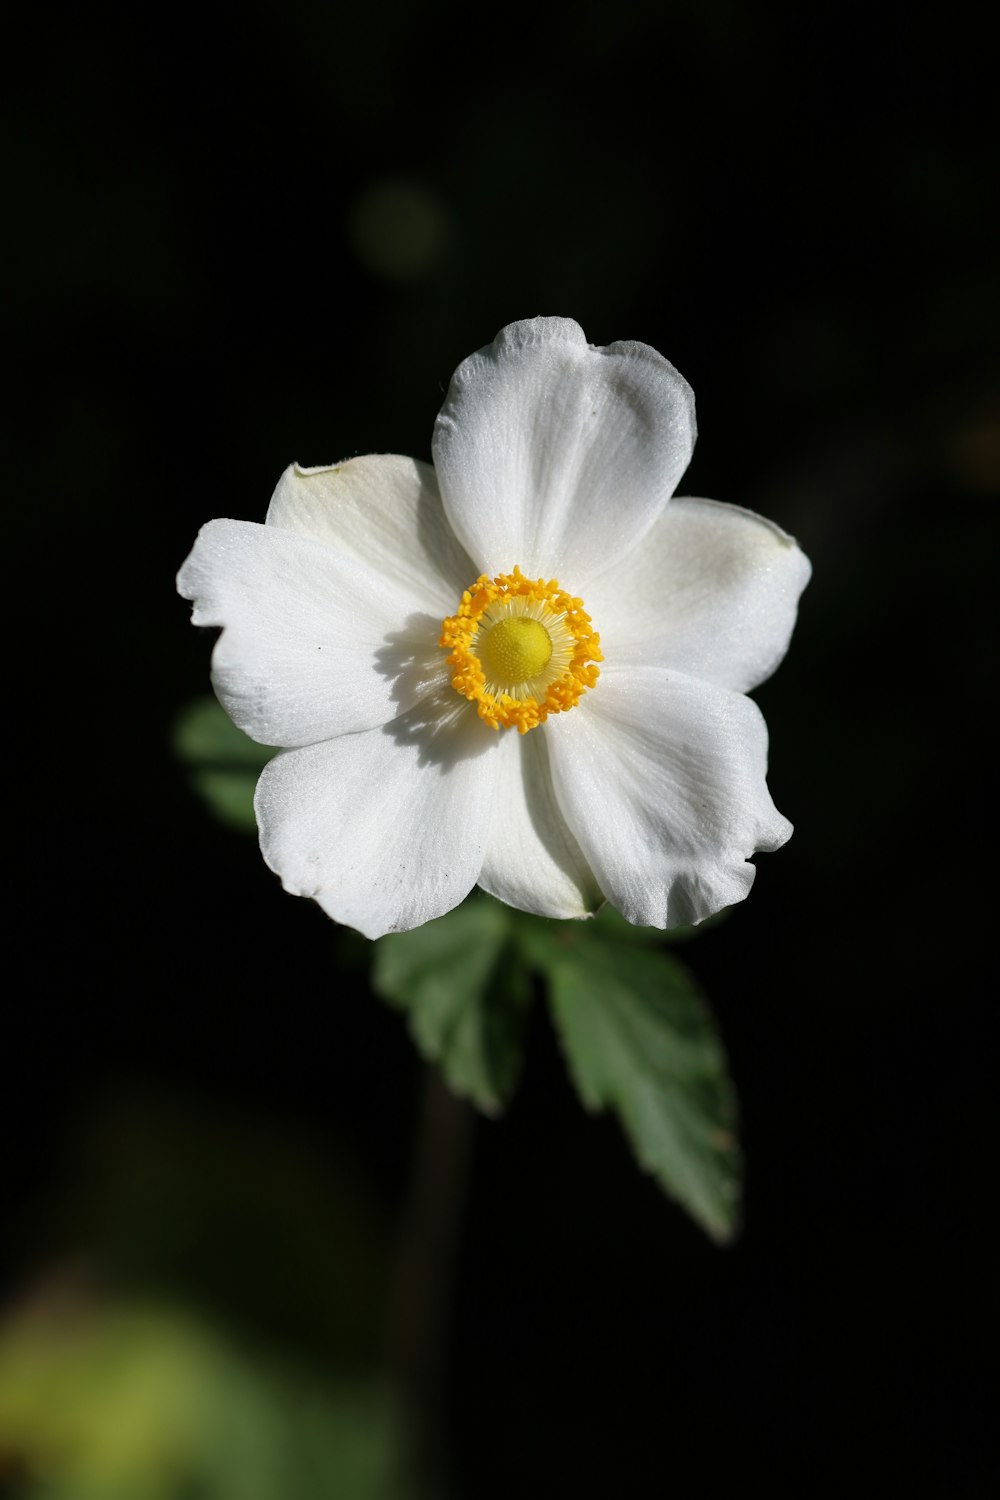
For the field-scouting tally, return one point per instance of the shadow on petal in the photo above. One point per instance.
(412, 661)
(444, 726)
(446, 729)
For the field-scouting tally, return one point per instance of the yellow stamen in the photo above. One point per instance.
(521, 648)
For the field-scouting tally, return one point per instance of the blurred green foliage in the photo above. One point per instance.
(213, 1326)
(275, 1231)
(223, 763)
(146, 1402)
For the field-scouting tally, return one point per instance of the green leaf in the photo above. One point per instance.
(466, 996)
(639, 1039)
(223, 762)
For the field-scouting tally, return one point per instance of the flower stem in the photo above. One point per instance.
(421, 1311)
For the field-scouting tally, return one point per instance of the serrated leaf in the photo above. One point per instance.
(639, 1039)
(466, 1001)
(224, 762)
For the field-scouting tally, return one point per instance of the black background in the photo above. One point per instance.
(797, 206)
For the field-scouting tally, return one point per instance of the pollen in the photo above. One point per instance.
(521, 649)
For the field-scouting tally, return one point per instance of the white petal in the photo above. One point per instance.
(559, 456)
(313, 645)
(713, 590)
(384, 829)
(662, 780)
(385, 512)
(532, 860)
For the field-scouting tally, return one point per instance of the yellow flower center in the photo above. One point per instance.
(515, 649)
(521, 649)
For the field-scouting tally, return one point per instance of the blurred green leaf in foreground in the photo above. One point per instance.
(140, 1402)
(212, 1322)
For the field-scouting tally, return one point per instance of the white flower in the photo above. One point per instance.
(638, 774)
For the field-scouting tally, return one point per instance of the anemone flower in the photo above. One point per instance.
(520, 668)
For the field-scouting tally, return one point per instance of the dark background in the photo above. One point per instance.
(251, 234)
